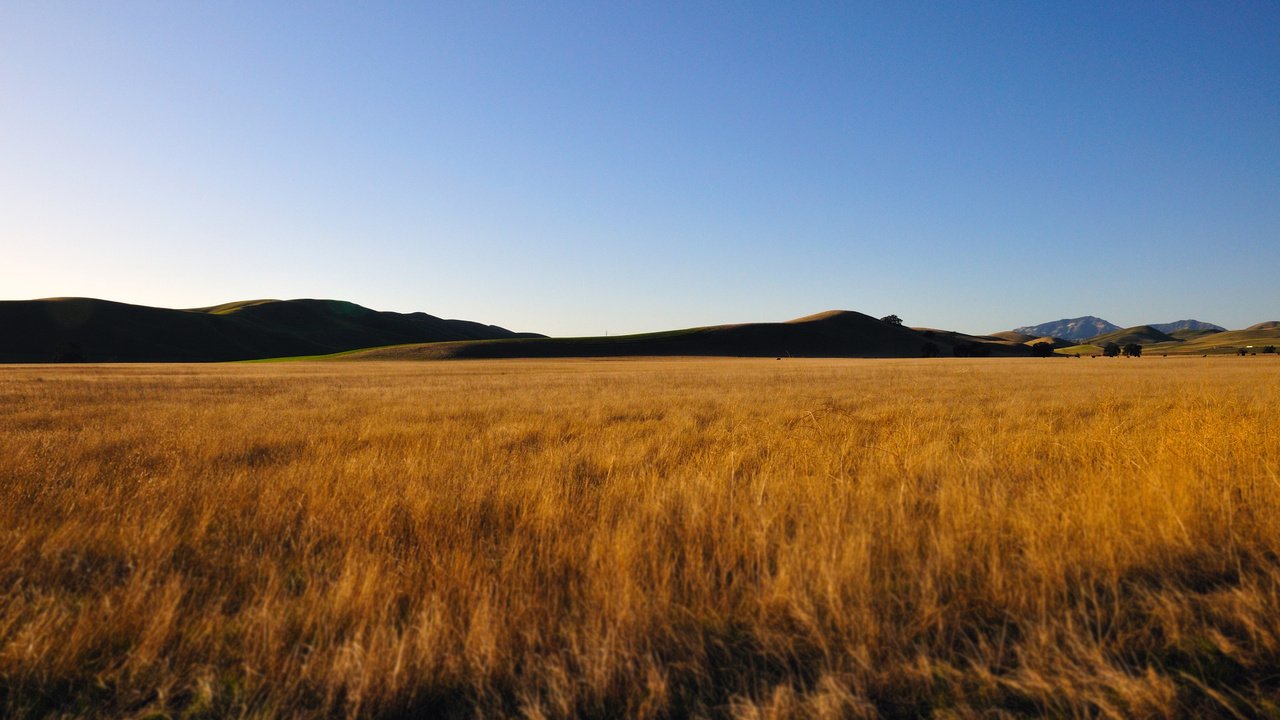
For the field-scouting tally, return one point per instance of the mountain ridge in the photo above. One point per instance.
(1079, 328)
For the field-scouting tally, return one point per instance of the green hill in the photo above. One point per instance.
(73, 329)
(1189, 334)
(838, 333)
(1141, 334)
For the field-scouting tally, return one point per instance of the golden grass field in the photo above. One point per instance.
(706, 538)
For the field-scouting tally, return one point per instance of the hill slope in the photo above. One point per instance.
(832, 334)
(1081, 328)
(1140, 334)
(1014, 336)
(1191, 334)
(1252, 339)
(103, 331)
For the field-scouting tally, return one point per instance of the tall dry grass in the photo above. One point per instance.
(677, 538)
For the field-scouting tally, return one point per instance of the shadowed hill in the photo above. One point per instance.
(831, 334)
(86, 329)
(1141, 334)
(1190, 334)
(1014, 336)
(1057, 342)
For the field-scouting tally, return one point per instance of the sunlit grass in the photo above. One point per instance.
(642, 538)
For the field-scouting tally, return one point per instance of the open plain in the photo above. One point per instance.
(647, 538)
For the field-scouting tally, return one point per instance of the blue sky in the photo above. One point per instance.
(577, 168)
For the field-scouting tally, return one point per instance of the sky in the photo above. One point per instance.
(576, 169)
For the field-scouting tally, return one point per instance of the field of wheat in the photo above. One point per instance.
(678, 538)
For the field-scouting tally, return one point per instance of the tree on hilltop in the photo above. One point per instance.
(891, 319)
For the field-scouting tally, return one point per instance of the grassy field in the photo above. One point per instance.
(720, 538)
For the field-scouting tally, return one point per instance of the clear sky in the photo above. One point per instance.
(577, 168)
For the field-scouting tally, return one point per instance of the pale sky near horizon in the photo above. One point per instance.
(580, 168)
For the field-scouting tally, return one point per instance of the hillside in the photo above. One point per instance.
(72, 329)
(1081, 328)
(1141, 334)
(1252, 339)
(1014, 336)
(1057, 342)
(1188, 334)
(839, 333)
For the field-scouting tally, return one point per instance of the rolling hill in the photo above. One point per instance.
(1057, 342)
(86, 329)
(1191, 342)
(839, 333)
(1140, 334)
(1253, 339)
(1014, 336)
(1188, 334)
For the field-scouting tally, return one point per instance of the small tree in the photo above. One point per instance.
(891, 319)
(1111, 350)
(930, 350)
(1269, 350)
(1133, 350)
(1042, 349)
(1242, 352)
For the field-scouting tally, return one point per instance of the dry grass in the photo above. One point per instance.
(676, 538)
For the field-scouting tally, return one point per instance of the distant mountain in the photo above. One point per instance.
(1172, 327)
(85, 329)
(1081, 328)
